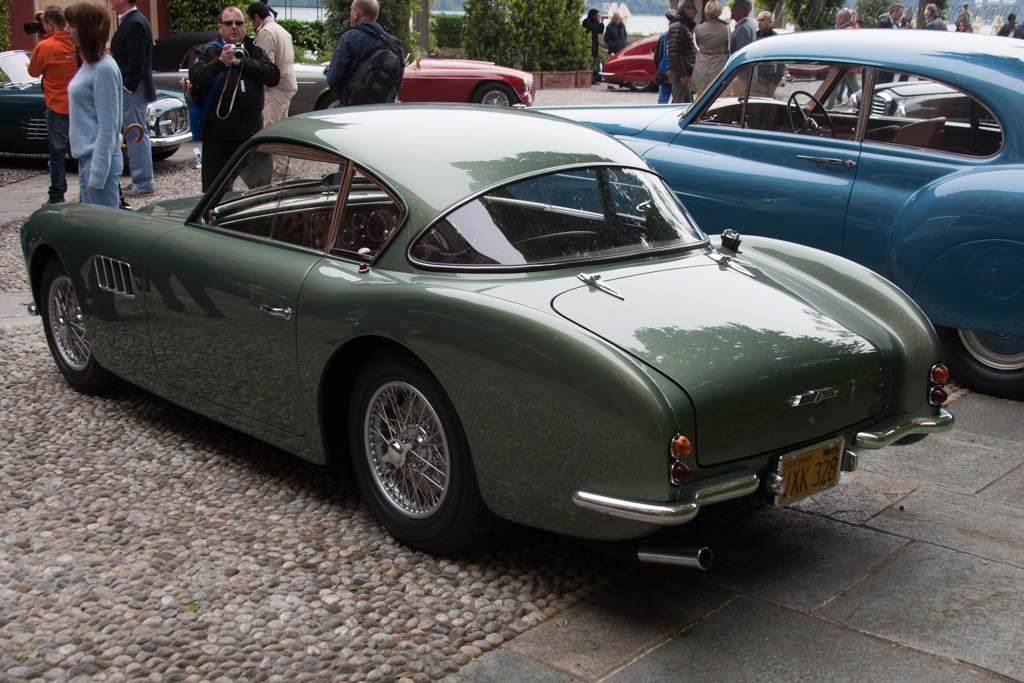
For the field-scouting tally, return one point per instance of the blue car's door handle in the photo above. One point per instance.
(848, 163)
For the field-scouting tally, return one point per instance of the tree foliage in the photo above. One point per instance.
(533, 35)
(194, 15)
(309, 35)
(394, 18)
(448, 29)
(5, 25)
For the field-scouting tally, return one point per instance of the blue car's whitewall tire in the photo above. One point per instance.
(411, 457)
(986, 362)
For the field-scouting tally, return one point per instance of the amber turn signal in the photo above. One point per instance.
(680, 447)
(939, 373)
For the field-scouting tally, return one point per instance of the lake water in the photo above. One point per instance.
(638, 23)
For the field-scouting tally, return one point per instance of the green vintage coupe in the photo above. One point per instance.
(491, 312)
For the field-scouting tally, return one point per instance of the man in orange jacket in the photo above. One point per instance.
(54, 58)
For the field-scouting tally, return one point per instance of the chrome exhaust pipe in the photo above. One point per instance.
(691, 558)
(33, 309)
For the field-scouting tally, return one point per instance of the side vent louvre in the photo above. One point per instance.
(114, 276)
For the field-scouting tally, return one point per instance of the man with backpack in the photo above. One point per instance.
(368, 64)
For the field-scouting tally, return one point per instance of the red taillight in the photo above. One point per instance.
(939, 373)
(937, 396)
(681, 447)
(678, 473)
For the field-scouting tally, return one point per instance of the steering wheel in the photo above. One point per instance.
(807, 122)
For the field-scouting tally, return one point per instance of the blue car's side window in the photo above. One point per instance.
(911, 111)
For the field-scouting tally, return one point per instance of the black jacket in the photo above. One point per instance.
(237, 108)
(132, 49)
(682, 50)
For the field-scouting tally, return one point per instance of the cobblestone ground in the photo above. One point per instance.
(141, 542)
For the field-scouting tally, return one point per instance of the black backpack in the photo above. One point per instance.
(377, 75)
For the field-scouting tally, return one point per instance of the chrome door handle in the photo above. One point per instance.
(848, 163)
(285, 312)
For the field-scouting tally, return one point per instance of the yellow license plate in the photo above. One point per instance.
(810, 471)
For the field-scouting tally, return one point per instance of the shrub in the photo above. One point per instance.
(194, 15)
(309, 35)
(448, 29)
(394, 18)
(534, 35)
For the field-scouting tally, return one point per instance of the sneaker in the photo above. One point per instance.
(50, 202)
(133, 191)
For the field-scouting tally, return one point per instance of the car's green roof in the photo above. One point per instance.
(437, 155)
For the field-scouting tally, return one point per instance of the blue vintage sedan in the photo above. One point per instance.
(923, 184)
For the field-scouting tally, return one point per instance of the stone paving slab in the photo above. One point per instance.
(503, 666)
(860, 496)
(793, 558)
(980, 414)
(750, 640)
(14, 311)
(984, 528)
(616, 627)
(958, 460)
(1009, 490)
(943, 602)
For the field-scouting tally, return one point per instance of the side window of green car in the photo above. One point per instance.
(369, 215)
(569, 215)
(281, 192)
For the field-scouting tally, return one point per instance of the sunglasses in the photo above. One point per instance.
(233, 23)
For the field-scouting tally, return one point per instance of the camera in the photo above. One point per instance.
(34, 27)
(239, 50)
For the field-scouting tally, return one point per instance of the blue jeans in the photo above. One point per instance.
(140, 157)
(664, 94)
(109, 194)
(57, 139)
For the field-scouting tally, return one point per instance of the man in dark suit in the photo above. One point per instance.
(132, 49)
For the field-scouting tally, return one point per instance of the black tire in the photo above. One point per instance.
(439, 513)
(642, 86)
(988, 363)
(497, 94)
(66, 334)
(327, 101)
(164, 154)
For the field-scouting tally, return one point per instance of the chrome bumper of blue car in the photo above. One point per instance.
(668, 514)
(901, 426)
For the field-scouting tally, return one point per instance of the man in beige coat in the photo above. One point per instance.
(277, 43)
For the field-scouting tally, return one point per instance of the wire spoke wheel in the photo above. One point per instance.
(407, 449)
(411, 456)
(65, 321)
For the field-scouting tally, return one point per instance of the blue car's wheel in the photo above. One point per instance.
(985, 361)
(65, 331)
(411, 457)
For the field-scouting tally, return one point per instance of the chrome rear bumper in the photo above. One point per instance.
(901, 426)
(669, 514)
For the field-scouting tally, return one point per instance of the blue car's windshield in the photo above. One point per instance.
(564, 216)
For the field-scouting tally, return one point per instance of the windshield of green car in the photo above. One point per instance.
(569, 215)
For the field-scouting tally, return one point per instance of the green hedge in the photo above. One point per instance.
(194, 15)
(533, 35)
(5, 25)
(309, 35)
(448, 29)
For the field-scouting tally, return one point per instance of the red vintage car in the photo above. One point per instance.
(465, 80)
(632, 67)
(425, 80)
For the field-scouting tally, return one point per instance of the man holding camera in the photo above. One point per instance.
(54, 59)
(233, 71)
(132, 49)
